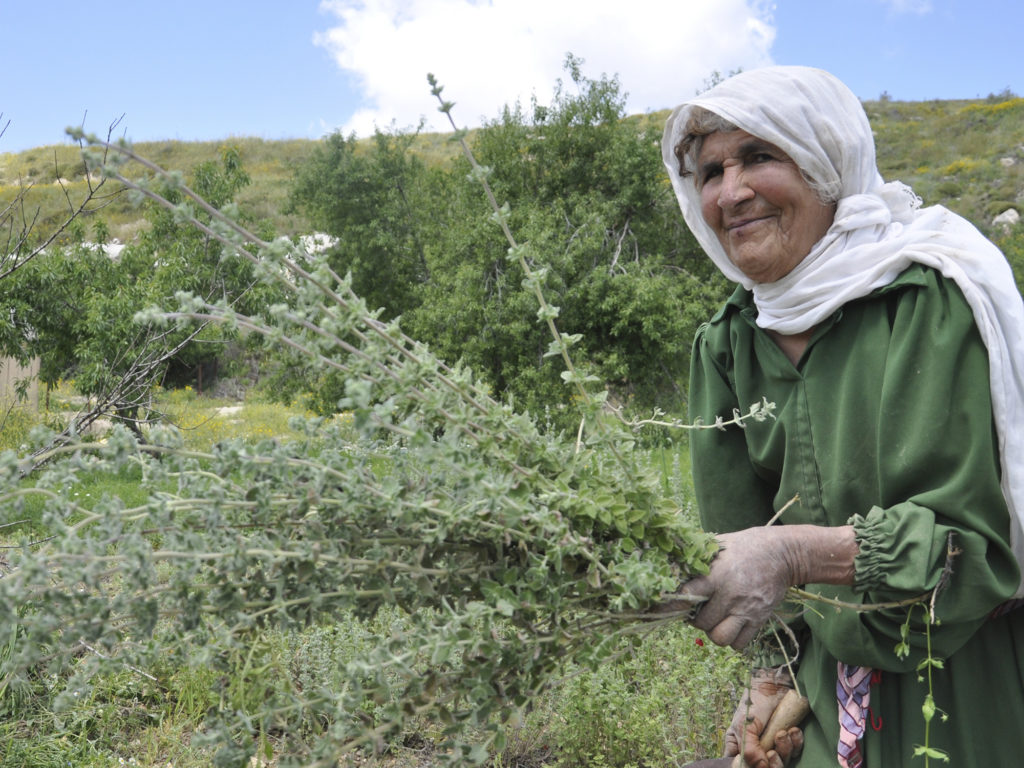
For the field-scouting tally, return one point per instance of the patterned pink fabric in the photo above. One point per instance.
(853, 692)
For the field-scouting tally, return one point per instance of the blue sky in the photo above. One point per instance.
(303, 68)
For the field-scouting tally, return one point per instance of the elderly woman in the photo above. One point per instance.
(890, 339)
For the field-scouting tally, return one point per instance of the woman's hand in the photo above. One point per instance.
(788, 745)
(767, 688)
(755, 567)
(748, 578)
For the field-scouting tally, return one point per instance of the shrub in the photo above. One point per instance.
(15, 424)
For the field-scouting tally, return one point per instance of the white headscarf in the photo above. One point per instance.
(879, 230)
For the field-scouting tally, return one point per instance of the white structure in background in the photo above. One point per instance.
(11, 374)
(112, 249)
(318, 242)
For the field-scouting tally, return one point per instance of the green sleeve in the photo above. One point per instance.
(730, 494)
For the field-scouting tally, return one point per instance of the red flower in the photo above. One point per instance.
(699, 642)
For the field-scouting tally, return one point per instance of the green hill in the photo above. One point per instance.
(966, 155)
(270, 164)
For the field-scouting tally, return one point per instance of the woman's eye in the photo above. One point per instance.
(760, 157)
(709, 174)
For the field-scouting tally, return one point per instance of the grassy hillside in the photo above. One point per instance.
(269, 163)
(966, 155)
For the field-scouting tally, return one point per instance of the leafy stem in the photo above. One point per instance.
(519, 253)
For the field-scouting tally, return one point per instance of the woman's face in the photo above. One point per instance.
(765, 215)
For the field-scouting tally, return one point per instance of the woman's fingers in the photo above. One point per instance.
(734, 631)
(718, 618)
(789, 744)
(746, 580)
(754, 755)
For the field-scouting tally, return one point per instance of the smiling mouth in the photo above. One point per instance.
(737, 226)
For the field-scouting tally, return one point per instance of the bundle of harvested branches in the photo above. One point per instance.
(511, 550)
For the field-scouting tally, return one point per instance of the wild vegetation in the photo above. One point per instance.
(657, 698)
(429, 560)
(510, 552)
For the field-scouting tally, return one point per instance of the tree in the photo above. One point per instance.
(372, 200)
(74, 307)
(24, 242)
(173, 256)
(586, 189)
(27, 239)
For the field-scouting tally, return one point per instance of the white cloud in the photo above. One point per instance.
(488, 53)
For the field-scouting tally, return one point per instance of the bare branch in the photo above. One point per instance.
(15, 218)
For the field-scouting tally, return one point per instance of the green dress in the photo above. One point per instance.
(885, 422)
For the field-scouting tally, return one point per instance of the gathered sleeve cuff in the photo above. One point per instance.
(907, 552)
(875, 560)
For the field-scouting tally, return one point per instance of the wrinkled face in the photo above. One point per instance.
(765, 215)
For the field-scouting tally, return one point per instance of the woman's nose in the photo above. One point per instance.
(734, 188)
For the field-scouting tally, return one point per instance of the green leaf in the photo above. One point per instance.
(574, 377)
(500, 740)
(931, 752)
(547, 312)
(635, 514)
(478, 754)
(440, 654)
(928, 708)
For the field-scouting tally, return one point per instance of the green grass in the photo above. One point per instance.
(203, 422)
(25, 522)
(15, 425)
(206, 421)
(664, 703)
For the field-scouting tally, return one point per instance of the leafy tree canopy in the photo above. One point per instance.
(586, 189)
